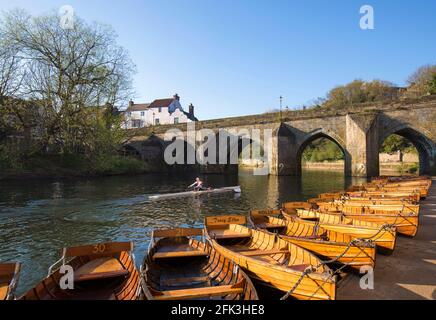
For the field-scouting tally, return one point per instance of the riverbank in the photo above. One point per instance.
(388, 168)
(75, 166)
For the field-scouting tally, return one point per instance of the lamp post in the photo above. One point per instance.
(281, 101)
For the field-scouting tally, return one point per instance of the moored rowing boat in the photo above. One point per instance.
(9, 273)
(373, 195)
(359, 208)
(178, 267)
(102, 271)
(271, 260)
(383, 235)
(330, 245)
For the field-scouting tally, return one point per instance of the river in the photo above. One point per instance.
(39, 217)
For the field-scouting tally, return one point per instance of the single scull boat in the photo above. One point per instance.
(235, 189)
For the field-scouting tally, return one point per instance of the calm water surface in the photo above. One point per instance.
(38, 218)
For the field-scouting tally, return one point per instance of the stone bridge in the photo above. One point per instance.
(359, 131)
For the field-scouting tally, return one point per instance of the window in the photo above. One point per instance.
(176, 120)
(156, 121)
(142, 113)
(129, 113)
(136, 123)
(160, 109)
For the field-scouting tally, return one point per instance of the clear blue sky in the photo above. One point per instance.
(236, 57)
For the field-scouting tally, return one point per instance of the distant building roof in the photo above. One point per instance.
(138, 107)
(161, 103)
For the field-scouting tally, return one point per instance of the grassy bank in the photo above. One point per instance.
(391, 168)
(70, 165)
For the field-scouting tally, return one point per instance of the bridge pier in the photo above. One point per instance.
(362, 145)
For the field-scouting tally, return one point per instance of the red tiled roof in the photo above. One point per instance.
(161, 103)
(138, 107)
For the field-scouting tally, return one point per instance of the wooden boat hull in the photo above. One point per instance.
(423, 191)
(276, 263)
(384, 239)
(362, 201)
(404, 224)
(407, 196)
(101, 283)
(9, 274)
(179, 267)
(356, 208)
(327, 244)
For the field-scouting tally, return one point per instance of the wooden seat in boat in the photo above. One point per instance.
(299, 267)
(228, 234)
(202, 292)
(270, 226)
(3, 290)
(254, 253)
(100, 268)
(182, 281)
(178, 251)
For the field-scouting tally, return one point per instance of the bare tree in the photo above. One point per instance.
(69, 73)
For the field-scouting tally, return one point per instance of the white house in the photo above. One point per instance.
(160, 111)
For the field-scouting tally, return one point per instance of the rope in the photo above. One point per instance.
(312, 269)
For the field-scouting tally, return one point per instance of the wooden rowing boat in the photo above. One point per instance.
(9, 274)
(362, 201)
(271, 260)
(327, 244)
(103, 271)
(178, 266)
(235, 189)
(403, 196)
(358, 208)
(423, 191)
(405, 224)
(383, 236)
(425, 182)
(401, 178)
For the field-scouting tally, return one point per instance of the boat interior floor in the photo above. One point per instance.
(191, 280)
(4, 286)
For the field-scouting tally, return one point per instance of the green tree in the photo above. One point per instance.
(395, 143)
(359, 91)
(432, 84)
(422, 81)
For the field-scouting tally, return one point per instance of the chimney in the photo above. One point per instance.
(191, 109)
(176, 96)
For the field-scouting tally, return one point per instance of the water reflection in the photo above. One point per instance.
(38, 218)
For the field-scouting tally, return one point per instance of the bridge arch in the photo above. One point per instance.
(421, 141)
(327, 134)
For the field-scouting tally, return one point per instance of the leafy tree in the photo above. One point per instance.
(322, 149)
(432, 84)
(422, 81)
(395, 143)
(359, 91)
